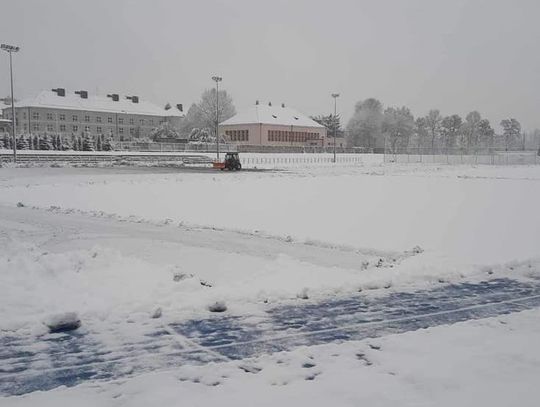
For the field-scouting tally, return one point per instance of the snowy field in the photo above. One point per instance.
(117, 245)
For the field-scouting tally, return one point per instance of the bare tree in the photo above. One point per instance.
(398, 127)
(451, 127)
(511, 132)
(470, 131)
(365, 127)
(203, 114)
(433, 123)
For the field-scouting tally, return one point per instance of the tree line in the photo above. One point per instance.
(59, 143)
(397, 130)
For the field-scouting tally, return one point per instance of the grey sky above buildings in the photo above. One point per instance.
(454, 55)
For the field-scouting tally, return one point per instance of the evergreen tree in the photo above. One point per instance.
(88, 143)
(79, 143)
(36, 142)
(99, 146)
(332, 124)
(45, 143)
(64, 143)
(22, 143)
(107, 144)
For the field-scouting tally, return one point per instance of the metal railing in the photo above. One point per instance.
(460, 156)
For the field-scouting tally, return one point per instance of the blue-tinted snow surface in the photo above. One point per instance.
(28, 363)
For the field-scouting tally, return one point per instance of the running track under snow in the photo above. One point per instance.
(41, 363)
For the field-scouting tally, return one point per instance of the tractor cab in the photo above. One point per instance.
(231, 162)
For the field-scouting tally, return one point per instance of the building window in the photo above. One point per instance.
(86, 119)
(62, 127)
(151, 121)
(75, 118)
(142, 122)
(98, 119)
(25, 127)
(49, 116)
(35, 127)
(99, 130)
(86, 128)
(132, 131)
(35, 116)
(49, 127)
(109, 119)
(75, 128)
(131, 121)
(120, 121)
(121, 130)
(23, 115)
(62, 117)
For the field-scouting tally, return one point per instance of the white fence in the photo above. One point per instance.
(495, 158)
(297, 160)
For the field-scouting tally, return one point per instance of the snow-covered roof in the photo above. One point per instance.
(72, 101)
(265, 114)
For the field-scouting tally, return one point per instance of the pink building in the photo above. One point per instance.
(269, 125)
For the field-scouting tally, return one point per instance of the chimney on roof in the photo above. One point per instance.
(257, 103)
(269, 103)
(134, 99)
(180, 107)
(114, 96)
(82, 93)
(283, 105)
(59, 91)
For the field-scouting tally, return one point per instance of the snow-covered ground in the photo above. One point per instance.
(108, 243)
(492, 362)
(480, 215)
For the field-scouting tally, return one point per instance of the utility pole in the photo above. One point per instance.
(335, 96)
(217, 79)
(11, 49)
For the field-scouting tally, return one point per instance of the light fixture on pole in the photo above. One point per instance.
(335, 96)
(11, 49)
(217, 80)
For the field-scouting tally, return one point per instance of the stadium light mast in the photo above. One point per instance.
(217, 80)
(11, 49)
(335, 96)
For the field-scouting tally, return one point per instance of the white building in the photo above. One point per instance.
(269, 125)
(59, 111)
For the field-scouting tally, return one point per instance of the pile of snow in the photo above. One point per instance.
(67, 321)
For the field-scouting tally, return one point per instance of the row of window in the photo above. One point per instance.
(75, 128)
(237, 135)
(291, 136)
(75, 118)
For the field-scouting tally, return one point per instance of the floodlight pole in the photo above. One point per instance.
(10, 49)
(217, 79)
(335, 96)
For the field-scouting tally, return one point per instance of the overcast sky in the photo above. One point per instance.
(454, 55)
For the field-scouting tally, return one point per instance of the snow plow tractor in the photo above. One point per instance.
(231, 163)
